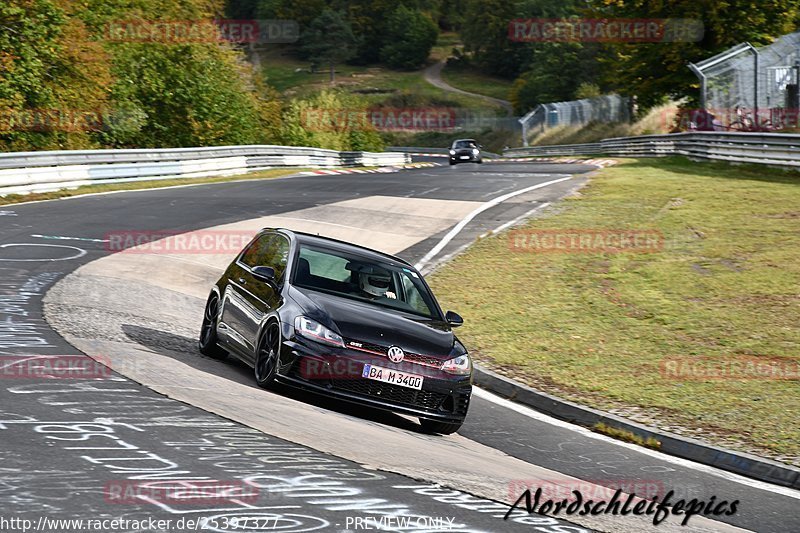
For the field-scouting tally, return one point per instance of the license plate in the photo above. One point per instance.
(395, 377)
(464, 157)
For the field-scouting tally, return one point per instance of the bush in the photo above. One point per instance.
(183, 95)
(330, 119)
(57, 64)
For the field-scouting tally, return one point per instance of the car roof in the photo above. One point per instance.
(464, 140)
(328, 242)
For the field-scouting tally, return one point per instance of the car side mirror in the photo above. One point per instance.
(454, 319)
(264, 273)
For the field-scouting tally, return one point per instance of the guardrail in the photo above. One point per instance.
(418, 150)
(774, 149)
(26, 172)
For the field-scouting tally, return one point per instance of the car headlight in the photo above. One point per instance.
(316, 331)
(452, 152)
(461, 365)
(475, 151)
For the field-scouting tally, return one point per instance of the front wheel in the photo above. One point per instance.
(452, 162)
(444, 428)
(266, 366)
(208, 332)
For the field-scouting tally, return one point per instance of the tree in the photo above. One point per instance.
(654, 71)
(410, 36)
(485, 36)
(329, 39)
(556, 73)
(301, 11)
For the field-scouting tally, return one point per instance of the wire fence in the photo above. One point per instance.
(609, 108)
(753, 89)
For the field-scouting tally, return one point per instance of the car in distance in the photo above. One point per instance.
(340, 320)
(464, 151)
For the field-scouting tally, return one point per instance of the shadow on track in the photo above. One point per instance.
(184, 350)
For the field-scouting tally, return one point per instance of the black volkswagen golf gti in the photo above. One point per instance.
(341, 320)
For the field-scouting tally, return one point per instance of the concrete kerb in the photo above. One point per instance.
(732, 461)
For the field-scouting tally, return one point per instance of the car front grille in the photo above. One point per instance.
(391, 393)
(425, 360)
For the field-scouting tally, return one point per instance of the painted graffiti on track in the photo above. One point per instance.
(115, 448)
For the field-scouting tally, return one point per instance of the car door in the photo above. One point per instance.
(258, 297)
(235, 304)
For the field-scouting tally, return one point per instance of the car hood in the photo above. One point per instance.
(366, 323)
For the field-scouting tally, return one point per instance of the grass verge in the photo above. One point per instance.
(603, 329)
(473, 81)
(377, 85)
(137, 185)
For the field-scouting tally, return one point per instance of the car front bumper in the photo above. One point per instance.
(465, 157)
(336, 372)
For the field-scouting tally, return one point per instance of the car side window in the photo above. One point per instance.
(268, 250)
(252, 254)
(276, 255)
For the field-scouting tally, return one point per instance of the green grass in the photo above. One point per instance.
(595, 328)
(137, 185)
(475, 81)
(378, 85)
(445, 44)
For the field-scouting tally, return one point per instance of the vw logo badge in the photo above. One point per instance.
(396, 354)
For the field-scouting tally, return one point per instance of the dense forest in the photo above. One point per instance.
(67, 82)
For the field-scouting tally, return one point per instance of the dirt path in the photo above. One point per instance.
(433, 75)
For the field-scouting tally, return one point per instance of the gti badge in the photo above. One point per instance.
(396, 354)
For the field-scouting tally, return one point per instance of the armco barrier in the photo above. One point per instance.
(774, 149)
(25, 172)
(418, 150)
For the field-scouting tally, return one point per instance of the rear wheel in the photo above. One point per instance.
(266, 366)
(444, 428)
(208, 332)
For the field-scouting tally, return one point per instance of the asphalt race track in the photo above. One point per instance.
(69, 446)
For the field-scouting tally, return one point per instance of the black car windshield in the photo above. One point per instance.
(465, 144)
(361, 278)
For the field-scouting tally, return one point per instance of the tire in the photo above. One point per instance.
(480, 161)
(444, 428)
(452, 162)
(208, 332)
(266, 363)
